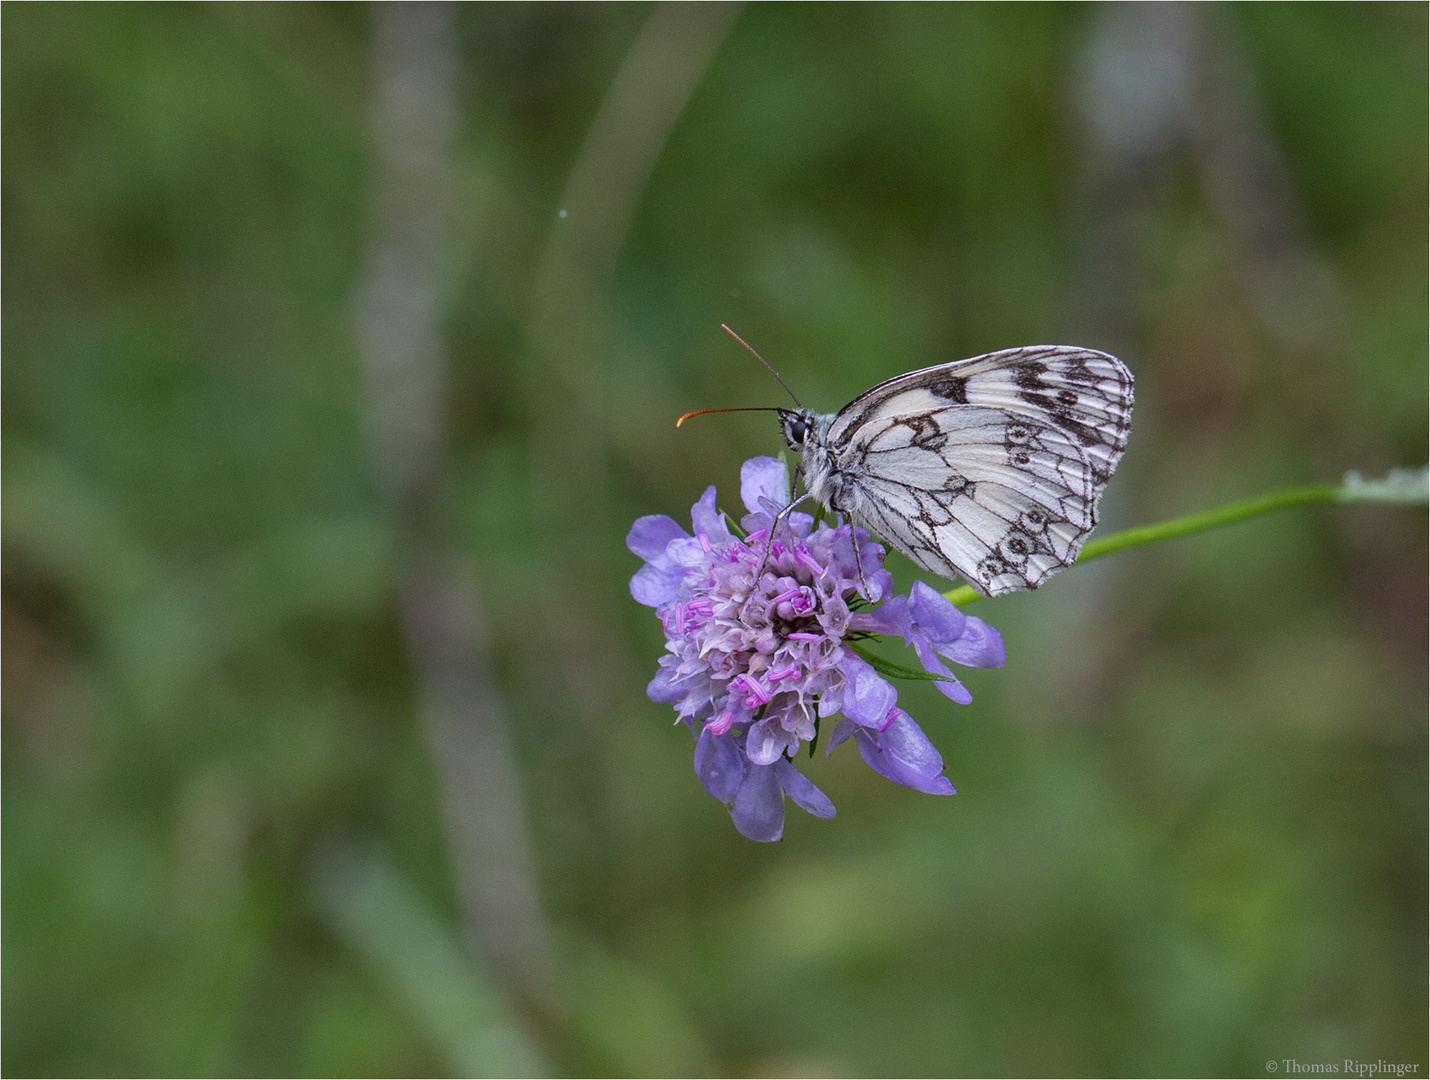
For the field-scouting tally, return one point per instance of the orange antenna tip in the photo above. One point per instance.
(702, 412)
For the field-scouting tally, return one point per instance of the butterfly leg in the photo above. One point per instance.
(859, 562)
(783, 515)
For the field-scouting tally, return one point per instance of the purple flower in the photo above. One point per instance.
(753, 664)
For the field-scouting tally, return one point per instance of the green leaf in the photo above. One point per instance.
(895, 671)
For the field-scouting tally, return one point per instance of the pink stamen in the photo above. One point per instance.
(721, 723)
(800, 635)
(704, 542)
(809, 562)
(791, 672)
(788, 594)
(757, 695)
(888, 720)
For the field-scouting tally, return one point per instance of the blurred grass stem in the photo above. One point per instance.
(387, 922)
(570, 318)
(399, 324)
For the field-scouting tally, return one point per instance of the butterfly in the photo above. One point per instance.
(988, 468)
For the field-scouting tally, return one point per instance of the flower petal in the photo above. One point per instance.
(873, 753)
(720, 765)
(653, 586)
(757, 527)
(768, 741)
(842, 731)
(706, 519)
(905, 743)
(867, 697)
(764, 477)
(773, 509)
(952, 689)
(940, 621)
(881, 583)
(871, 559)
(684, 553)
(979, 646)
(650, 534)
(665, 688)
(892, 619)
(759, 810)
(802, 791)
(902, 753)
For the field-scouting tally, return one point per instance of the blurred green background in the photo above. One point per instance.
(265, 813)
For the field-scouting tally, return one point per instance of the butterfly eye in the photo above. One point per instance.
(797, 429)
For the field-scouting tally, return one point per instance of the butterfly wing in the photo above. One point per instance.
(988, 468)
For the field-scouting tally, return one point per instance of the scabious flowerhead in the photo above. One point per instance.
(757, 635)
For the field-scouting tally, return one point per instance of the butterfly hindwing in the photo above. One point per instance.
(989, 468)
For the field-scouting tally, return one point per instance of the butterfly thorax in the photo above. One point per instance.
(807, 432)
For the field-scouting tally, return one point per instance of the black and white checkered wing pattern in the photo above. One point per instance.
(988, 468)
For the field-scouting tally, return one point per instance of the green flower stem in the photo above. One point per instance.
(1402, 487)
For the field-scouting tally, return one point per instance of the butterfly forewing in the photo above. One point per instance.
(1086, 393)
(991, 467)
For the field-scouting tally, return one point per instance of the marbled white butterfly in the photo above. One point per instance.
(988, 468)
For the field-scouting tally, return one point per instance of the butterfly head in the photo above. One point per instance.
(797, 425)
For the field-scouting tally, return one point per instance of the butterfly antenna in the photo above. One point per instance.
(702, 412)
(762, 360)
